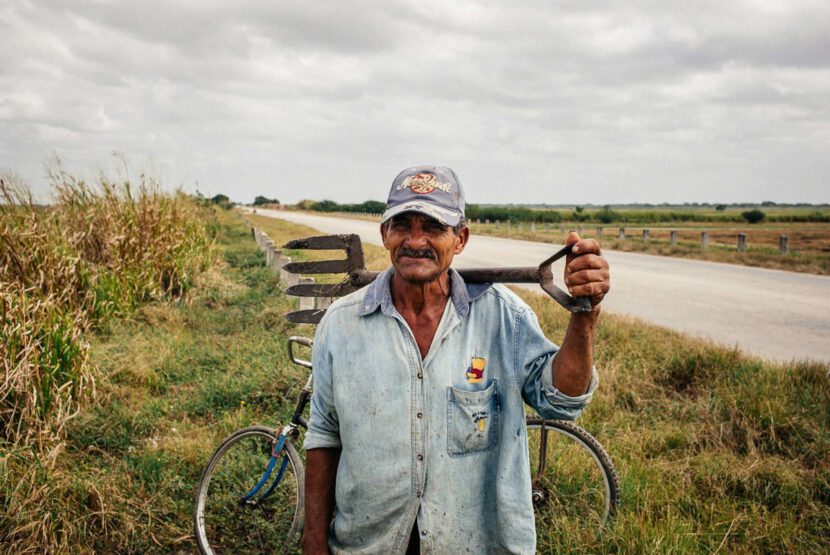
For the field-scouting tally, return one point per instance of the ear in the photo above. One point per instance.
(383, 227)
(461, 239)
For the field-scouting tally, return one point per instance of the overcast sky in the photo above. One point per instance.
(557, 102)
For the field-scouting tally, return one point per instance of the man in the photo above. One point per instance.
(417, 431)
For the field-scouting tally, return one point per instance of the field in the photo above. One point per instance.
(716, 451)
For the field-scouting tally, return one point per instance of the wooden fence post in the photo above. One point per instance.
(783, 246)
(599, 231)
(621, 236)
(283, 272)
(646, 233)
(276, 261)
(704, 240)
(741, 242)
(673, 239)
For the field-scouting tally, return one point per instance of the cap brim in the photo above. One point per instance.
(446, 217)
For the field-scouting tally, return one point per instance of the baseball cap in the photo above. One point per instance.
(434, 191)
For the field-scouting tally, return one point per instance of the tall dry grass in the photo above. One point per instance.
(99, 250)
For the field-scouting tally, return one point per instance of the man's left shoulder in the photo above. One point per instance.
(499, 295)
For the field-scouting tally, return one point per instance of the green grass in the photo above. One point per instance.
(715, 450)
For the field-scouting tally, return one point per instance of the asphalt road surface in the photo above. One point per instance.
(771, 313)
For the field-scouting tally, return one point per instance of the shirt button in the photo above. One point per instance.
(419, 494)
(420, 457)
(424, 532)
(420, 376)
(420, 415)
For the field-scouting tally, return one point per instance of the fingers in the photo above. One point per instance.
(573, 237)
(589, 283)
(586, 271)
(585, 262)
(585, 246)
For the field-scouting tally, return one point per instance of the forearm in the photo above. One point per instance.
(574, 361)
(321, 474)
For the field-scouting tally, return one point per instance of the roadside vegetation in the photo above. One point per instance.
(99, 252)
(716, 450)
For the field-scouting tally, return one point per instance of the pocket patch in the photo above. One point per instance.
(472, 420)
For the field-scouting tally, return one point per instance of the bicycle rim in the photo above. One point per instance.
(271, 521)
(574, 485)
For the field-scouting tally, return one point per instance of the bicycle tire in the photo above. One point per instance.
(272, 520)
(577, 489)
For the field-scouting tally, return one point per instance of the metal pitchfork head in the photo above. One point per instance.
(358, 276)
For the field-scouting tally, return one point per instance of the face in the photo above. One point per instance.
(421, 248)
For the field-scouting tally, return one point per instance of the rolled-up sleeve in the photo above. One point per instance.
(534, 355)
(565, 406)
(323, 424)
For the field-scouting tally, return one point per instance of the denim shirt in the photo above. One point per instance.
(441, 439)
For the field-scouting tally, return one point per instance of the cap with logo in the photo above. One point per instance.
(434, 191)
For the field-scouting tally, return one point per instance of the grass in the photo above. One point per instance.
(716, 451)
(100, 251)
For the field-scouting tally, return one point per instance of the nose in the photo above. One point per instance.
(417, 238)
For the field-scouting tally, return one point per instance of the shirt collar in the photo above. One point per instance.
(378, 293)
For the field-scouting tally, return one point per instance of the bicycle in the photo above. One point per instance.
(250, 497)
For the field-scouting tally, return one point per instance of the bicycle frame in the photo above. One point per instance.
(297, 421)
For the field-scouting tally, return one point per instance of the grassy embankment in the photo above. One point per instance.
(715, 450)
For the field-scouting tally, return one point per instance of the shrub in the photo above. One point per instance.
(753, 216)
(607, 215)
(260, 200)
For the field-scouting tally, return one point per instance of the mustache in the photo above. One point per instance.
(416, 253)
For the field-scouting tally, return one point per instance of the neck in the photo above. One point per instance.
(418, 297)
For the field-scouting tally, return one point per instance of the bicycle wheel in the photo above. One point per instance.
(229, 518)
(574, 484)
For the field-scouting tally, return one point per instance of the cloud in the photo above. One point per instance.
(637, 101)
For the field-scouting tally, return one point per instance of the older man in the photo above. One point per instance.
(417, 439)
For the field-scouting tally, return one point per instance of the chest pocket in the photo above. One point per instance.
(472, 420)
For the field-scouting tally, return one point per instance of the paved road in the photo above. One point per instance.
(774, 314)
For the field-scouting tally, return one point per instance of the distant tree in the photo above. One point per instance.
(260, 200)
(769, 203)
(325, 206)
(222, 201)
(606, 215)
(720, 207)
(371, 207)
(753, 216)
(579, 209)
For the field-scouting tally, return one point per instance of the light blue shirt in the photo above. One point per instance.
(441, 439)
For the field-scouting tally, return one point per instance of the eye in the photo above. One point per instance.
(435, 227)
